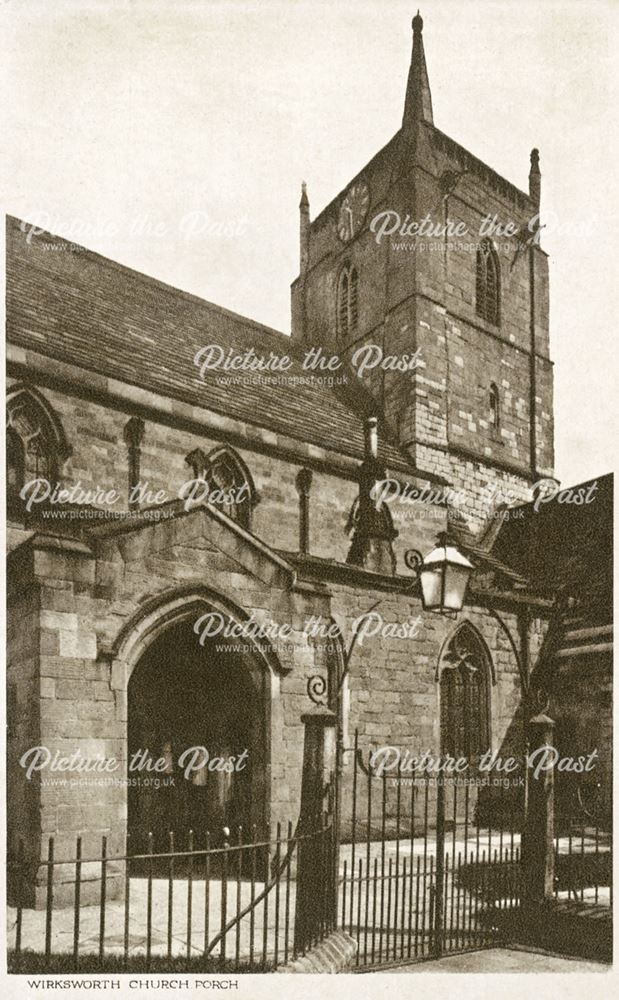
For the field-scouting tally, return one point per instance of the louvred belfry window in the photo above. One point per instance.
(348, 302)
(353, 299)
(465, 695)
(487, 284)
(342, 305)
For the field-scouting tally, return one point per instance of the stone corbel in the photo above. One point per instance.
(117, 671)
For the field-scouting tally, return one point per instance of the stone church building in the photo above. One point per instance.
(108, 392)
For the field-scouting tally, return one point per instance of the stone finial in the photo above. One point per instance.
(304, 229)
(535, 178)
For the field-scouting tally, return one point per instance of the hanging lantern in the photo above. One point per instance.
(444, 575)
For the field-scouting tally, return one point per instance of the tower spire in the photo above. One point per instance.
(418, 104)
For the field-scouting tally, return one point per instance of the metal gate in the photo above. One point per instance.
(428, 865)
(205, 904)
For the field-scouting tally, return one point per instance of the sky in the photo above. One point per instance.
(173, 138)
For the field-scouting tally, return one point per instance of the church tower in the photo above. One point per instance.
(428, 253)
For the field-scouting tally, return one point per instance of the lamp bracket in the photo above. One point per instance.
(413, 559)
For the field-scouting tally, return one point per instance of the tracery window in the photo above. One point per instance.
(465, 674)
(229, 482)
(36, 445)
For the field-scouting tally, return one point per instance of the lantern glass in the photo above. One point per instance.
(456, 579)
(444, 575)
(432, 587)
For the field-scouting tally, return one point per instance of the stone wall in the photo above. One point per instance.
(99, 460)
(98, 605)
(86, 595)
(393, 687)
(25, 639)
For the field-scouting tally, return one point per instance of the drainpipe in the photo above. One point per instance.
(535, 184)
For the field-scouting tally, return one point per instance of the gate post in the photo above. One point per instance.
(439, 888)
(538, 835)
(316, 884)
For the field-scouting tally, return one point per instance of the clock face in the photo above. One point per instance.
(353, 211)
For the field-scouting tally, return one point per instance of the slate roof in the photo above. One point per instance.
(76, 306)
(567, 547)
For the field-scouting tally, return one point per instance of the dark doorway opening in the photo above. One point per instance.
(185, 699)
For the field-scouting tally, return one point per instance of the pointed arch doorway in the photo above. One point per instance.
(182, 697)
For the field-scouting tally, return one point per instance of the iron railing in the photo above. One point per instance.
(430, 865)
(232, 907)
(582, 843)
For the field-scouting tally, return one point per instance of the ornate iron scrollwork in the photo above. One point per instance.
(541, 701)
(317, 689)
(413, 559)
(588, 798)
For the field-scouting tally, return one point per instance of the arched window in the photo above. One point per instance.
(487, 285)
(228, 479)
(494, 404)
(465, 672)
(347, 302)
(36, 444)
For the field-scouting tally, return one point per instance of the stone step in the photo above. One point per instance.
(598, 631)
(569, 652)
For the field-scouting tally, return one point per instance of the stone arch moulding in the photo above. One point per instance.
(157, 614)
(23, 394)
(466, 626)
